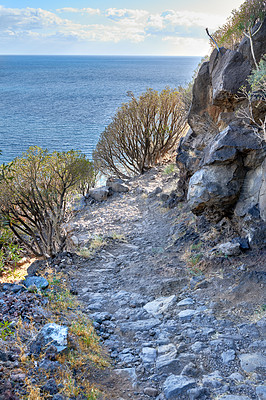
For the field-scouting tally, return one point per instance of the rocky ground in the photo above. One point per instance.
(181, 316)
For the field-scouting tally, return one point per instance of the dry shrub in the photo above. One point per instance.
(142, 132)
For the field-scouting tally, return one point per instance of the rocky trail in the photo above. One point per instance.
(175, 327)
(178, 304)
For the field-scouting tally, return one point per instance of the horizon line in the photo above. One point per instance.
(98, 55)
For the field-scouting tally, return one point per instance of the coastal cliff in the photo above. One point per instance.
(222, 158)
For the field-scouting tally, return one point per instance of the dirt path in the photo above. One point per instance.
(162, 334)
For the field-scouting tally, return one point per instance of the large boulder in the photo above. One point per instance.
(229, 74)
(117, 185)
(100, 194)
(217, 186)
(215, 189)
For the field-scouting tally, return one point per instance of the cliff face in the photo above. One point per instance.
(223, 160)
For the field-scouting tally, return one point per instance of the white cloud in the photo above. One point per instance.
(90, 11)
(28, 18)
(117, 25)
(188, 46)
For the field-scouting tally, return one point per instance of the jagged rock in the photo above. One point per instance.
(53, 334)
(232, 142)
(100, 194)
(202, 110)
(167, 357)
(160, 305)
(228, 355)
(176, 385)
(228, 75)
(215, 188)
(185, 302)
(148, 355)
(229, 249)
(117, 185)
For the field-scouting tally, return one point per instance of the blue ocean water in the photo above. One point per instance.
(65, 102)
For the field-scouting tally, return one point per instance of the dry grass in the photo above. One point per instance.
(83, 356)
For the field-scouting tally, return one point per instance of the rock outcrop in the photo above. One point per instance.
(222, 160)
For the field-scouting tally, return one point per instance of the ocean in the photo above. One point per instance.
(65, 102)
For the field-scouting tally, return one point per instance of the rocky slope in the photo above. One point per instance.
(181, 316)
(223, 161)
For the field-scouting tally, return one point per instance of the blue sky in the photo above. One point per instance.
(147, 27)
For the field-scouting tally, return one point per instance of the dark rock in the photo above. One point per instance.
(13, 287)
(35, 267)
(243, 243)
(228, 75)
(176, 385)
(199, 117)
(198, 393)
(215, 189)
(150, 391)
(50, 387)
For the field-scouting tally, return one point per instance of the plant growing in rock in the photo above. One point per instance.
(254, 113)
(33, 193)
(141, 132)
(241, 23)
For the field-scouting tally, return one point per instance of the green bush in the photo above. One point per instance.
(34, 190)
(142, 132)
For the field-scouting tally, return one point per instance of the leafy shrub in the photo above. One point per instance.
(141, 132)
(33, 193)
(241, 20)
(257, 78)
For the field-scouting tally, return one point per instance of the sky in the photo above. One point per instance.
(117, 27)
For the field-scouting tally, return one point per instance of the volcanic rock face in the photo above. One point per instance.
(223, 161)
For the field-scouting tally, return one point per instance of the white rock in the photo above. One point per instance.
(229, 249)
(160, 305)
(148, 355)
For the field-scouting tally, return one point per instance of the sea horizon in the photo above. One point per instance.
(64, 102)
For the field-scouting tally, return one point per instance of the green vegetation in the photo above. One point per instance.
(33, 193)
(10, 251)
(142, 132)
(240, 23)
(5, 330)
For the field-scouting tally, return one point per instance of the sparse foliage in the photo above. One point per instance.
(33, 194)
(240, 23)
(255, 111)
(141, 132)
